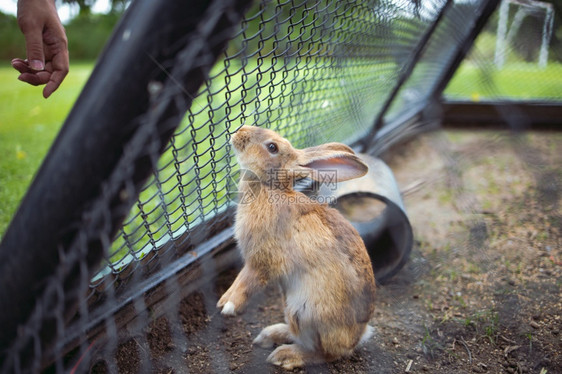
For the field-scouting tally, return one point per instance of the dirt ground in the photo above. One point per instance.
(480, 294)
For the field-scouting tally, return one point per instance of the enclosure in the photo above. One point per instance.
(123, 244)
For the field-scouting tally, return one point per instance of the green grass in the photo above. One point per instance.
(514, 81)
(28, 126)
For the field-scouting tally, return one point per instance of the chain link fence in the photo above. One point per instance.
(141, 226)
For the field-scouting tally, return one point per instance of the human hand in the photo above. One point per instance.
(46, 45)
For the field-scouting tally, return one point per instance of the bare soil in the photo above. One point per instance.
(480, 294)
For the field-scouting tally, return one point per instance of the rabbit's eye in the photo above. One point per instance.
(272, 148)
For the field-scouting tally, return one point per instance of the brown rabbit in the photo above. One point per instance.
(315, 255)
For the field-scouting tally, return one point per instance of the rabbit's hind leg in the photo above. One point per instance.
(290, 356)
(274, 334)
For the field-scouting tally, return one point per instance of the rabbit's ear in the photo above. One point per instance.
(334, 160)
(329, 147)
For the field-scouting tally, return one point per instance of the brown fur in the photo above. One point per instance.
(316, 256)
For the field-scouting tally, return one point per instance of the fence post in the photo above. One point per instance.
(406, 72)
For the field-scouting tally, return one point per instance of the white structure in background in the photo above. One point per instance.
(506, 33)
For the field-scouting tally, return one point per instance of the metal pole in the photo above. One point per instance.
(406, 73)
(485, 11)
(499, 57)
(546, 35)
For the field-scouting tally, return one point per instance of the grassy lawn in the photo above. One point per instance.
(28, 126)
(514, 81)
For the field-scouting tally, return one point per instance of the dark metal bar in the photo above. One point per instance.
(219, 248)
(104, 127)
(406, 73)
(503, 114)
(481, 19)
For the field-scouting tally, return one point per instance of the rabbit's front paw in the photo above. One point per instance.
(229, 309)
(227, 306)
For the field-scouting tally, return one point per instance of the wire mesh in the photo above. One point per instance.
(314, 71)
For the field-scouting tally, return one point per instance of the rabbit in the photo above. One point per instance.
(308, 248)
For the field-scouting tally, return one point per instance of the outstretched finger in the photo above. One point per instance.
(21, 65)
(35, 79)
(53, 83)
(60, 69)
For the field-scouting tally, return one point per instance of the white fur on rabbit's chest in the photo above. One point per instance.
(310, 299)
(301, 294)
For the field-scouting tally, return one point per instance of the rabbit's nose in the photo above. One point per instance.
(240, 139)
(243, 129)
